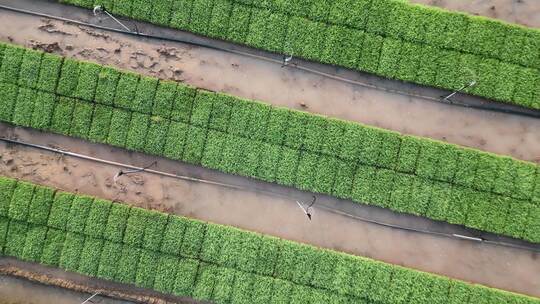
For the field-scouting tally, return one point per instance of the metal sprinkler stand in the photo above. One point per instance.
(98, 9)
(307, 211)
(472, 75)
(471, 84)
(121, 172)
(286, 60)
(89, 299)
(288, 53)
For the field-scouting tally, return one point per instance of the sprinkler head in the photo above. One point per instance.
(98, 9)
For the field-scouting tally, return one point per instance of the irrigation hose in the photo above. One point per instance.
(272, 60)
(266, 192)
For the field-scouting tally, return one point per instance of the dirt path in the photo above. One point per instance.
(525, 12)
(68, 287)
(20, 291)
(505, 268)
(495, 132)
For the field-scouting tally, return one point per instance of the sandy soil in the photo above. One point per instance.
(500, 267)
(495, 132)
(524, 12)
(19, 291)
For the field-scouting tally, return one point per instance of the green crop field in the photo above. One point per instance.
(186, 257)
(391, 38)
(348, 160)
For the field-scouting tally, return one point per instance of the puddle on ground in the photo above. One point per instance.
(218, 71)
(20, 291)
(524, 12)
(499, 267)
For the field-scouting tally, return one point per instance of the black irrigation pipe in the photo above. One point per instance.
(518, 111)
(269, 193)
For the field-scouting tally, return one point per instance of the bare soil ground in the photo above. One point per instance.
(505, 268)
(524, 12)
(20, 291)
(218, 71)
(59, 281)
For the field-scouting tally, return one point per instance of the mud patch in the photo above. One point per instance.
(524, 12)
(17, 290)
(49, 27)
(47, 47)
(57, 279)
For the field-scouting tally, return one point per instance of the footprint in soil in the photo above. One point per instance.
(140, 59)
(85, 53)
(482, 142)
(168, 52)
(91, 178)
(171, 72)
(50, 28)
(137, 179)
(108, 182)
(94, 33)
(7, 159)
(98, 54)
(66, 169)
(121, 189)
(46, 47)
(178, 74)
(102, 52)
